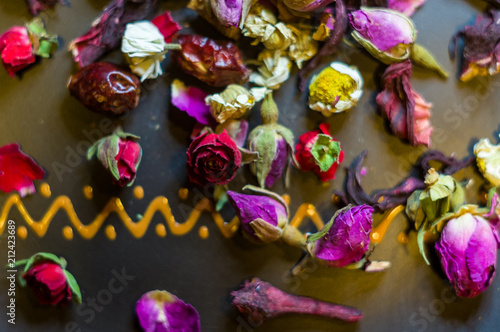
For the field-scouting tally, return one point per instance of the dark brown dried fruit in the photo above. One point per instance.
(215, 63)
(106, 88)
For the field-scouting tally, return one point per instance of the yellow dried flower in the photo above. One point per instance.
(232, 103)
(335, 89)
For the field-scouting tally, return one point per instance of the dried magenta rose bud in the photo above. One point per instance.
(46, 275)
(213, 158)
(106, 88)
(215, 63)
(161, 311)
(319, 152)
(16, 50)
(345, 239)
(386, 34)
(261, 300)
(264, 217)
(120, 154)
(467, 250)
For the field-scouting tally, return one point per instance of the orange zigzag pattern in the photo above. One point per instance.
(137, 229)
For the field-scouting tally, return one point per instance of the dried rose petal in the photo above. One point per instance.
(18, 170)
(406, 111)
(161, 311)
(481, 55)
(37, 6)
(107, 31)
(215, 63)
(192, 101)
(167, 26)
(16, 50)
(406, 7)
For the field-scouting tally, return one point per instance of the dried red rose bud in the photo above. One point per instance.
(261, 300)
(120, 154)
(213, 158)
(215, 63)
(46, 275)
(106, 88)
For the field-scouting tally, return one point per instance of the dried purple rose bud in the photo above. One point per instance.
(160, 311)
(37, 6)
(106, 88)
(273, 142)
(264, 217)
(406, 7)
(345, 239)
(467, 250)
(261, 300)
(386, 34)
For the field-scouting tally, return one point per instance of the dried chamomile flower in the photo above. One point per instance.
(335, 89)
(274, 70)
(232, 103)
(488, 160)
(303, 47)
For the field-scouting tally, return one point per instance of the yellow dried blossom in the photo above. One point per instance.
(335, 89)
(303, 47)
(488, 160)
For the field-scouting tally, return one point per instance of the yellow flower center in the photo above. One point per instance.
(329, 85)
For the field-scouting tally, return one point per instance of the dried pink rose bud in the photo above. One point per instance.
(467, 250)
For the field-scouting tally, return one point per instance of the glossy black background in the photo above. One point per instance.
(38, 112)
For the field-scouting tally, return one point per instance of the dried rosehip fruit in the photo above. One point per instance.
(106, 88)
(215, 63)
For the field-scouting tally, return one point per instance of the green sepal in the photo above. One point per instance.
(414, 209)
(421, 243)
(316, 236)
(44, 44)
(107, 153)
(421, 57)
(76, 294)
(325, 152)
(248, 156)
(220, 197)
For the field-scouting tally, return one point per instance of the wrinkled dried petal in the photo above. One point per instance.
(481, 55)
(407, 112)
(18, 170)
(306, 5)
(273, 70)
(386, 199)
(167, 26)
(107, 31)
(192, 101)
